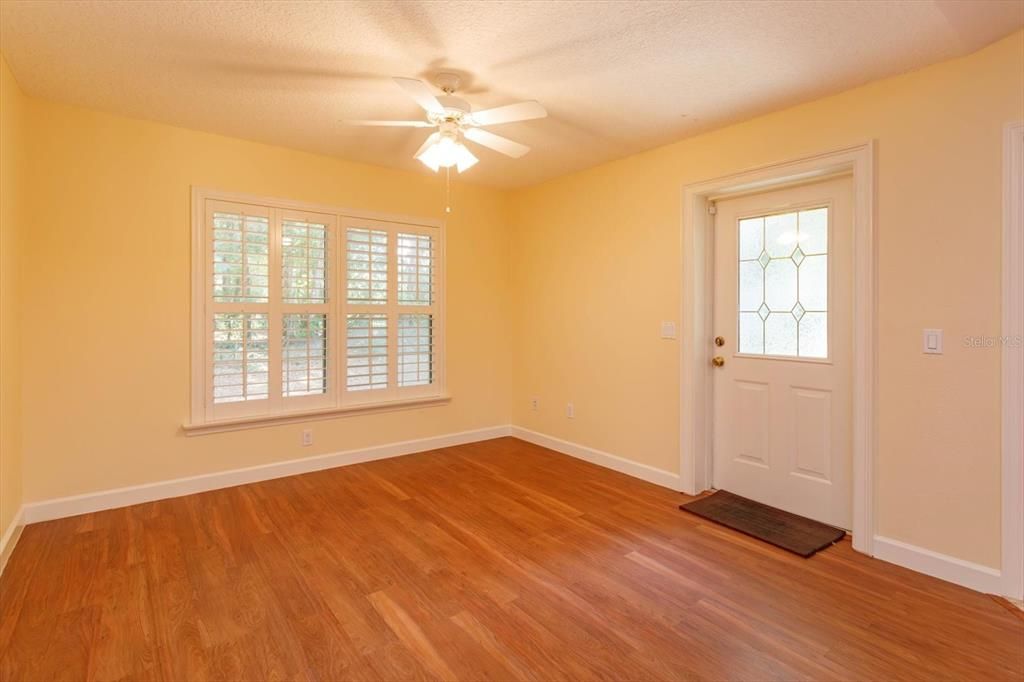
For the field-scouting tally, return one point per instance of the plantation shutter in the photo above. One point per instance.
(417, 307)
(391, 311)
(298, 311)
(308, 317)
(239, 249)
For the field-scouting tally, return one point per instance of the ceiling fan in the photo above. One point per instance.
(456, 121)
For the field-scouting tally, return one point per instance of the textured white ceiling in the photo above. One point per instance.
(616, 77)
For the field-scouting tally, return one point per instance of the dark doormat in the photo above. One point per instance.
(780, 528)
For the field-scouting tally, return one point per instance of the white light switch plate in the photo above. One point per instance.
(668, 330)
(933, 341)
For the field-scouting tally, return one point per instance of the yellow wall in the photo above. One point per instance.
(12, 156)
(596, 267)
(555, 291)
(106, 299)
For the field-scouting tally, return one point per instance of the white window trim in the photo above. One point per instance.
(200, 420)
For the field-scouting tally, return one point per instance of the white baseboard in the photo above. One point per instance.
(10, 537)
(644, 472)
(942, 566)
(59, 508)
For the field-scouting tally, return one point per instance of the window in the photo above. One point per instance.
(298, 311)
(783, 284)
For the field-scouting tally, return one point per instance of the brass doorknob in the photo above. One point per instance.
(718, 361)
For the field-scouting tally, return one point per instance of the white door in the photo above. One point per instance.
(782, 317)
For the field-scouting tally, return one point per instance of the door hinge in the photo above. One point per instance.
(712, 209)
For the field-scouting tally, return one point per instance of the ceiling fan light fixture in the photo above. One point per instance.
(428, 157)
(465, 159)
(446, 152)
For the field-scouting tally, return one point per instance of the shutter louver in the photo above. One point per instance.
(241, 355)
(415, 350)
(305, 354)
(415, 269)
(367, 266)
(241, 258)
(367, 352)
(303, 262)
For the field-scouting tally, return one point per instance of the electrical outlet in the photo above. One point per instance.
(307, 437)
(570, 411)
(534, 403)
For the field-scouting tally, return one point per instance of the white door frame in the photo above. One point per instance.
(1013, 361)
(695, 435)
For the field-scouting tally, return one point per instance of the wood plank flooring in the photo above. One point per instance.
(492, 561)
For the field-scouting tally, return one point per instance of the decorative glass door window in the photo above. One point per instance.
(783, 284)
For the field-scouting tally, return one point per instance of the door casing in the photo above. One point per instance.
(696, 349)
(1012, 573)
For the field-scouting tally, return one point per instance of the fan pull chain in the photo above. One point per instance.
(448, 189)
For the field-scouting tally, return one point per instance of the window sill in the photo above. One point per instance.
(242, 423)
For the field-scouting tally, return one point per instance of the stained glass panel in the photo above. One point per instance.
(783, 284)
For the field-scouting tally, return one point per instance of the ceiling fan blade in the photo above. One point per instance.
(421, 92)
(392, 124)
(496, 142)
(521, 111)
(431, 139)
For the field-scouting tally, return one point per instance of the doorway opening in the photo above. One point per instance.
(697, 381)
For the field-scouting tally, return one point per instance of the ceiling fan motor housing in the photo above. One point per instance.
(447, 82)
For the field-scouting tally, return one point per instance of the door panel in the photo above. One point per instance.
(782, 302)
(752, 400)
(812, 416)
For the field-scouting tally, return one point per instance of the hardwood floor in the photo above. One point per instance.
(496, 560)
